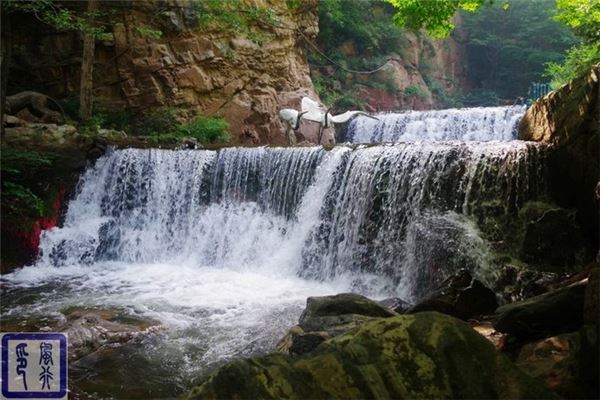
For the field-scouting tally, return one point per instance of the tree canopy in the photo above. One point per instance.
(434, 16)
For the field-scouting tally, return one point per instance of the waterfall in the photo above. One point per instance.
(313, 213)
(479, 123)
(223, 247)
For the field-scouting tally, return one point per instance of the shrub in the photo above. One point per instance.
(205, 129)
(161, 120)
(17, 167)
(415, 91)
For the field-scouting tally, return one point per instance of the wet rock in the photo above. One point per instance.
(553, 241)
(569, 118)
(565, 363)
(461, 296)
(327, 312)
(329, 316)
(90, 329)
(554, 312)
(518, 283)
(396, 304)
(425, 355)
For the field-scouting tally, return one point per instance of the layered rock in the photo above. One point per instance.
(205, 72)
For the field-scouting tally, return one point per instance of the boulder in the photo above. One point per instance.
(554, 312)
(567, 363)
(329, 316)
(461, 296)
(327, 312)
(425, 355)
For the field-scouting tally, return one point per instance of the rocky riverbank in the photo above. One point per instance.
(347, 346)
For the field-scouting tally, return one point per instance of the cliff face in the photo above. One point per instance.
(569, 118)
(421, 73)
(212, 73)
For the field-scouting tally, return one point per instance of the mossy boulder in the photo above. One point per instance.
(425, 355)
(551, 313)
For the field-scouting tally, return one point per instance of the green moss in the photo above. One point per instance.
(425, 355)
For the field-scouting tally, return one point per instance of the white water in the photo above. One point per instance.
(223, 248)
(479, 123)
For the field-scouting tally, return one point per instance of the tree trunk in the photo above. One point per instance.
(87, 66)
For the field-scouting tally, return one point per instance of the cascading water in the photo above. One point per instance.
(223, 247)
(480, 123)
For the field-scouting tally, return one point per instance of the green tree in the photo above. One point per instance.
(583, 17)
(435, 16)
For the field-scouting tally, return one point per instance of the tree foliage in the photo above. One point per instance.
(435, 16)
(365, 30)
(583, 17)
(17, 166)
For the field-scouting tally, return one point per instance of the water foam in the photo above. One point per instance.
(224, 247)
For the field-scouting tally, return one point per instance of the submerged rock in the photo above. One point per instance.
(554, 312)
(90, 329)
(461, 296)
(425, 355)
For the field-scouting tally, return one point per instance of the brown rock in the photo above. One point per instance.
(565, 363)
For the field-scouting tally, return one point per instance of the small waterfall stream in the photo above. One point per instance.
(479, 123)
(223, 247)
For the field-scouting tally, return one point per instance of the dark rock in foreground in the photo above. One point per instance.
(551, 313)
(328, 316)
(461, 296)
(567, 363)
(425, 355)
(328, 311)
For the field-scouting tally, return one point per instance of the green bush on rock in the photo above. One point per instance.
(426, 355)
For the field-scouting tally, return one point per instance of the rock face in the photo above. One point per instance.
(426, 355)
(554, 312)
(569, 118)
(207, 72)
(553, 241)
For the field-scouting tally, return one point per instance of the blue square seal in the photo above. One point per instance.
(34, 365)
